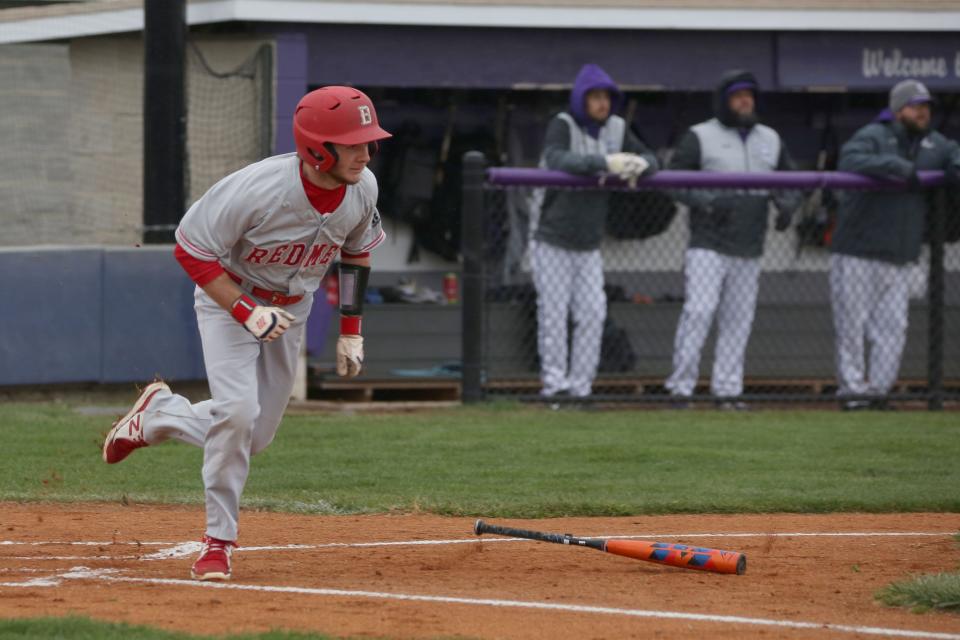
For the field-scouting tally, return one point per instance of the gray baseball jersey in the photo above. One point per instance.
(259, 224)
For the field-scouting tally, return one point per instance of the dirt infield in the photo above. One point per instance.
(424, 576)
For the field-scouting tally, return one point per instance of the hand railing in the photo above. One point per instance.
(514, 176)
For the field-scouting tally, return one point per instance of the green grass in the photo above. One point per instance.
(512, 461)
(77, 628)
(924, 593)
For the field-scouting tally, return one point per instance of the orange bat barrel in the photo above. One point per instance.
(680, 555)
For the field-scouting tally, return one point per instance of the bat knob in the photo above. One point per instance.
(478, 527)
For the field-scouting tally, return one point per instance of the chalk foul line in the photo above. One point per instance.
(799, 534)
(173, 550)
(110, 575)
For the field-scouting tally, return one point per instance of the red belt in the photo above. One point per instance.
(274, 297)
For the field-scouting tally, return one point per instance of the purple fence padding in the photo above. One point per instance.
(514, 176)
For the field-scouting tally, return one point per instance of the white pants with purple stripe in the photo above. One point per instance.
(870, 301)
(721, 286)
(569, 284)
(250, 386)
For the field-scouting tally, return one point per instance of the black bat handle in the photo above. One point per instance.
(481, 527)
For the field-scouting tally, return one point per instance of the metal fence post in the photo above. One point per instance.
(471, 248)
(935, 291)
(164, 118)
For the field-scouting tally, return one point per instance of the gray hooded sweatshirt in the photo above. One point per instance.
(576, 219)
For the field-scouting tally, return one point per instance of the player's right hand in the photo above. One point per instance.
(268, 323)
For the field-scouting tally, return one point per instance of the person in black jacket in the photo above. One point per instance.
(569, 227)
(878, 236)
(727, 232)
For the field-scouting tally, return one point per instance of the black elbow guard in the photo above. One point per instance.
(353, 288)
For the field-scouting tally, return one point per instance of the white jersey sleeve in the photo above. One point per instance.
(369, 233)
(216, 222)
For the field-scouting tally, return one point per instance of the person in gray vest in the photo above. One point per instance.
(727, 232)
(569, 226)
(878, 236)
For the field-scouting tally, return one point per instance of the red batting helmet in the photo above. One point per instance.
(333, 115)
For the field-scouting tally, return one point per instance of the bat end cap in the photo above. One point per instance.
(478, 527)
(742, 565)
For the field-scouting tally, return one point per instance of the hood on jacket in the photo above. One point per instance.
(592, 77)
(885, 115)
(730, 82)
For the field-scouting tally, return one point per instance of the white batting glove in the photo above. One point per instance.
(265, 323)
(627, 166)
(268, 323)
(349, 355)
(616, 162)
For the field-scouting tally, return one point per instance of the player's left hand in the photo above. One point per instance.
(349, 355)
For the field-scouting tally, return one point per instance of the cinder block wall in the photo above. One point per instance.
(35, 173)
(71, 125)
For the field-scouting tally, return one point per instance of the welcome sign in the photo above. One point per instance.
(896, 64)
(868, 61)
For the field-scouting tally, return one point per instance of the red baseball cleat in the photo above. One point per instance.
(127, 432)
(214, 560)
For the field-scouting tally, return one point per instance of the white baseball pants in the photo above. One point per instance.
(725, 286)
(250, 385)
(568, 283)
(870, 299)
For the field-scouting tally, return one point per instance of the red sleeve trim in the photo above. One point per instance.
(349, 254)
(200, 271)
(182, 239)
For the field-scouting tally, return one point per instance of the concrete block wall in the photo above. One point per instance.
(106, 136)
(35, 173)
(71, 122)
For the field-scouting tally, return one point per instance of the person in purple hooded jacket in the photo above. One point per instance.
(568, 227)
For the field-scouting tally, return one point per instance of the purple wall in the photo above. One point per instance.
(391, 56)
(291, 85)
(499, 58)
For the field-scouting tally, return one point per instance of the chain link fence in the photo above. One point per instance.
(661, 319)
(229, 113)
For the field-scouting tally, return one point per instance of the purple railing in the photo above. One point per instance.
(508, 176)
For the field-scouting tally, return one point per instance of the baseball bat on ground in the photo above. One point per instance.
(675, 555)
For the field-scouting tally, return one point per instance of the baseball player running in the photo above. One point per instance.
(257, 244)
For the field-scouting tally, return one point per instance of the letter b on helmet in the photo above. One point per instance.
(333, 115)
